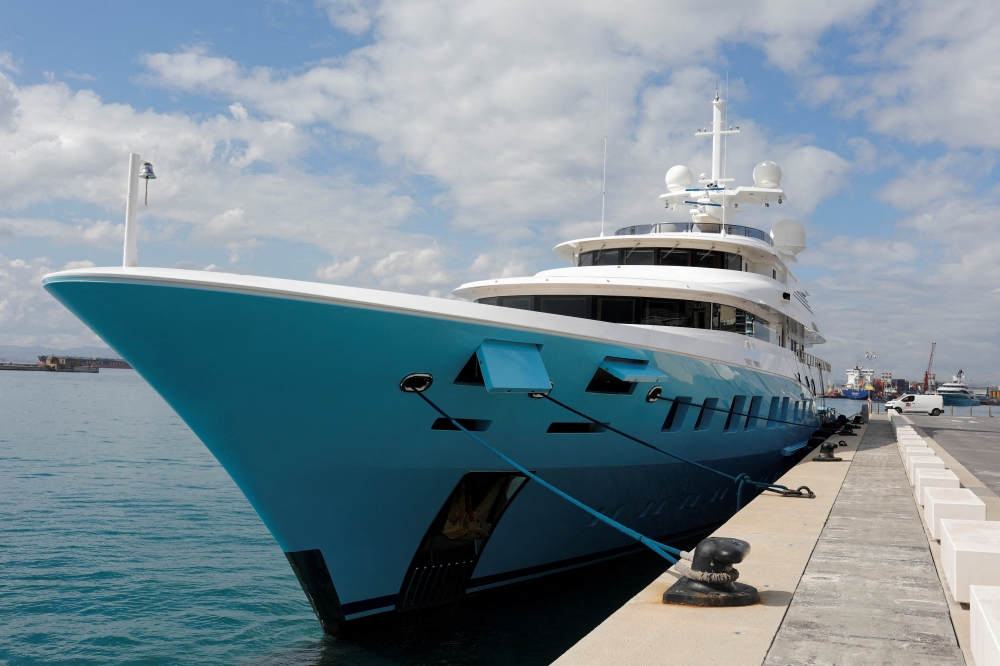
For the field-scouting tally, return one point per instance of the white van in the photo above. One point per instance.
(911, 402)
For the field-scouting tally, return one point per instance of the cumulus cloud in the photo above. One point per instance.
(28, 315)
(338, 270)
(406, 269)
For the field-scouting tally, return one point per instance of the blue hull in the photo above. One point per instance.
(951, 400)
(299, 401)
(855, 394)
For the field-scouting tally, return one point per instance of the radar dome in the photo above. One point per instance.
(788, 235)
(679, 178)
(767, 174)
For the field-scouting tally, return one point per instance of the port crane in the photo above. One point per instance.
(930, 366)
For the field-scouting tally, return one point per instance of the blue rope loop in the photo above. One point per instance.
(740, 480)
(666, 552)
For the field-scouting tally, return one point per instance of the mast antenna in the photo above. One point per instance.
(604, 185)
(725, 154)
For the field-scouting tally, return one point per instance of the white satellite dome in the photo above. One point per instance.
(788, 235)
(767, 174)
(679, 178)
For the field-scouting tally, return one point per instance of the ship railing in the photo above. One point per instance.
(813, 361)
(693, 227)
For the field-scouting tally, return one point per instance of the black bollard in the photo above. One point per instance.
(711, 579)
(826, 452)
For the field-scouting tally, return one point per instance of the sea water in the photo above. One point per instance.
(122, 540)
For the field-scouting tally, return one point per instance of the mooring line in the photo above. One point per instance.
(666, 552)
(740, 479)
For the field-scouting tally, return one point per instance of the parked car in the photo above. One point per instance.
(914, 402)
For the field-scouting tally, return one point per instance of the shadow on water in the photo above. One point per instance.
(531, 622)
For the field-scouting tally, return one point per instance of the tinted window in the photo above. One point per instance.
(734, 262)
(489, 301)
(675, 257)
(670, 312)
(569, 306)
(519, 302)
(608, 257)
(706, 259)
(587, 258)
(615, 310)
(733, 320)
(640, 257)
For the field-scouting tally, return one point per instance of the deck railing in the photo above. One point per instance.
(813, 361)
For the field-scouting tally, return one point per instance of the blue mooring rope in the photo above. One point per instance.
(666, 552)
(740, 479)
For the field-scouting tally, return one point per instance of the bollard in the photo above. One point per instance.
(711, 579)
(826, 452)
(952, 408)
(970, 410)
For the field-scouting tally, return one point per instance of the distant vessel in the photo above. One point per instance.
(98, 362)
(956, 393)
(859, 383)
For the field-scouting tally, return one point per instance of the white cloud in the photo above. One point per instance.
(7, 62)
(407, 269)
(28, 315)
(338, 270)
(354, 16)
(70, 265)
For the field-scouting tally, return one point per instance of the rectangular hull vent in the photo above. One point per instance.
(475, 425)
(572, 427)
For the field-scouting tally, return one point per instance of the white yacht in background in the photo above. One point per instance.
(379, 503)
(956, 393)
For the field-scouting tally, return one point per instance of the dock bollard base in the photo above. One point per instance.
(689, 592)
(827, 459)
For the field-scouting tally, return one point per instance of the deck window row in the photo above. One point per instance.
(646, 311)
(649, 256)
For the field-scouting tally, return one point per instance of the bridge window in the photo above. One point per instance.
(644, 256)
(675, 257)
(608, 258)
(640, 257)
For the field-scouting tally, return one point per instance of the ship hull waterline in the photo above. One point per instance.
(298, 398)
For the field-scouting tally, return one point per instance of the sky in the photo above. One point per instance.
(414, 146)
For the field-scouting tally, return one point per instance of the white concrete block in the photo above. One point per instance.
(915, 447)
(960, 503)
(912, 451)
(933, 478)
(921, 462)
(970, 554)
(984, 624)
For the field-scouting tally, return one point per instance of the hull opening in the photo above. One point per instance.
(448, 554)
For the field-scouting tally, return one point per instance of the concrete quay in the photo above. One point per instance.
(851, 577)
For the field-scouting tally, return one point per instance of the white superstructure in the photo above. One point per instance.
(709, 278)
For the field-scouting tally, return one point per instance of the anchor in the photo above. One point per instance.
(711, 578)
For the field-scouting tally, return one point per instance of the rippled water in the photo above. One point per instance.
(123, 541)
